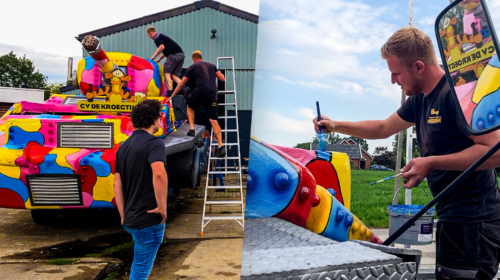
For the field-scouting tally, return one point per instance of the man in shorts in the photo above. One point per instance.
(205, 93)
(141, 186)
(172, 51)
(468, 231)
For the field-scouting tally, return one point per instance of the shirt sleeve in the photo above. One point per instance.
(158, 42)
(407, 110)
(157, 152)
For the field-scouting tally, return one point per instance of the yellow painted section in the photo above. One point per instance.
(61, 95)
(153, 90)
(79, 70)
(28, 125)
(341, 163)
(17, 108)
(8, 157)
(107, 67)
(359, 231)
(470, 57)
(103, 106)
(488, 82)
(319, 215)
(118, 135)
(83, 117)
(28, 205)
(159, 133)
(61, 156)
(103, 189)
(120, 59)
(11, 171)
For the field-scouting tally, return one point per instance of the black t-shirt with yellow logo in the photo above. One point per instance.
(440, 131)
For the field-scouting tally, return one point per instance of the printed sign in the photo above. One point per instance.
(99, 106)
(469, 58)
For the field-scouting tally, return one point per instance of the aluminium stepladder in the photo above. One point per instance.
(225, 169)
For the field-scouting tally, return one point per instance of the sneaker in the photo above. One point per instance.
(191, 133)
(220, 152)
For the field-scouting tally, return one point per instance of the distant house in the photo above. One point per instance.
(360, 159)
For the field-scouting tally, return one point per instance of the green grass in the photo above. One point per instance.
(112, 249)
(225, 212)
(62, 261)
(112, 275)
(369, 202)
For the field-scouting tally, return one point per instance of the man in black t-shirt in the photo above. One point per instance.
(172, 51)
(468, 231)
(140, 186)
(205, 93)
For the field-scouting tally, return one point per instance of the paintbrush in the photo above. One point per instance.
(388, 178)
(321, 135)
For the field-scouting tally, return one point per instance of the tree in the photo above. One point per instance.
(384, 157)
(331, 138)
(415, 153)
(52, 88)
(20, 72)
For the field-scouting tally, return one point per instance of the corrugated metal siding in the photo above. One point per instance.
(236, 37)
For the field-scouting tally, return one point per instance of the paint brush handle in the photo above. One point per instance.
(387, 178)
(319, 117)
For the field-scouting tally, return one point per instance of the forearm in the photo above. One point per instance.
(161, 57)
(179, 87)
(160, 184)
(157, 52)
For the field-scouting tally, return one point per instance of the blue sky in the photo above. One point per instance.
(329, 51)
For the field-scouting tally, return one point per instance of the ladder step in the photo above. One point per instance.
(227, 117)
(225, 144)
(224, 187)
(226, 91)
(227, 104)
(215, 158)
(223, 218)
(223, 172)
(224, 202)
(229, 130)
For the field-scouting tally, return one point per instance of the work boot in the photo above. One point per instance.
(191, 133)
(220, 152)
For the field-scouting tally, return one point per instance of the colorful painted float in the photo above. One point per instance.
(61, 154)
(310, 189)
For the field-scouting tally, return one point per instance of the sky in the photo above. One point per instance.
(329, 51)
(45, 30)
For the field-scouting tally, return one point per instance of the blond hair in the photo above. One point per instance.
(409, 44)
(150, 29)
(196, 55)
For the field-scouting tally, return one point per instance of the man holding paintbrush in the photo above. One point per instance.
(468, 231)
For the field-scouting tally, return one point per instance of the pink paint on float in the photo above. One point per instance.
(87, 201)
(302, 156)
(74, 159)
(464, 90)
(141, 79)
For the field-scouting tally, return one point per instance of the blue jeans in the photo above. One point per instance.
(146, 244)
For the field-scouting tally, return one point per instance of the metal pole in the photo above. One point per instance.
(399, 153)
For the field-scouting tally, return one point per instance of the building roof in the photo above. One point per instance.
(352, 150)
(170, 13)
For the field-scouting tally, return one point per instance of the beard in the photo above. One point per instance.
(415, 87)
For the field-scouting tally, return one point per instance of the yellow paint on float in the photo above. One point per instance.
(11, 171)
(117, 132)
(359, 231)
(488, 82)
(341, 163)
(28, 125)
(62, 153)
(103, 189)
(319, 215)
(152, 89)
(28, 205)
(9, 157)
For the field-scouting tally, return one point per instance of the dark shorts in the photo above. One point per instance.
(208, 100)
(467, 251)
(173, 64)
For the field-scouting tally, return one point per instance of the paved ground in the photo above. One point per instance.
(92, 245)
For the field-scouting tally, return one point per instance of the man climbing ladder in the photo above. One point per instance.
(205, 93)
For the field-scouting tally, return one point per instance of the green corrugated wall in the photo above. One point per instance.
(235, 37)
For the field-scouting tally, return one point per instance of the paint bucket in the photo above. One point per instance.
(420, 233)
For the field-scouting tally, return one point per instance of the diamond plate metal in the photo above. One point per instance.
(276, 249)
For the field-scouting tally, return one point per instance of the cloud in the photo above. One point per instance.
(427, 21)
(265, 120)
(331, 45)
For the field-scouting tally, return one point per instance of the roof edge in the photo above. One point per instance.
(168, 14)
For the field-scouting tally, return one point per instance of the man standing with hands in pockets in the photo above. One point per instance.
(141, 186)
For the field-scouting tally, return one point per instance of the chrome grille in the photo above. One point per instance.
(55, 190)
(85, 135)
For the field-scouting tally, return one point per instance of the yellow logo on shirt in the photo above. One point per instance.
(434, 119)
